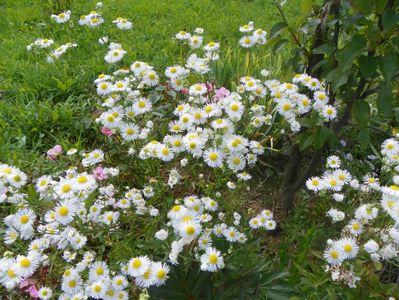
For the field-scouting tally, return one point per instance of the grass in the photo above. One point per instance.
(44, 104)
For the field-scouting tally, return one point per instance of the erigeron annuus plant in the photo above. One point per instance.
(61, 229)
(181, 126)
(371, 230)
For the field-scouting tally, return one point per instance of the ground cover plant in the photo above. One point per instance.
(191, 150)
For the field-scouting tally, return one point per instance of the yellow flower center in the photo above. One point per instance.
(286, 106)
(11, 273)
(394, 187)
(187, 219)
(213, 156)
(97, 289)
(334, 254)
(82, 179)
(136, 263)
(213, 259)
(147, 274)
(24, 219)
(190, 230)
(234, 107)
(25, 262)
(63, 211)
(72, 283)
(348, 248)
(236, 160)
(161, 274)
(66, 188)
(176, 208)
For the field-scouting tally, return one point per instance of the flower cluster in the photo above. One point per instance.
(362, 234)
(114, 54)
(93, 19)
(122, 23)
(62, 17)
(258, 36)
(46, 43)
(195, 41)
(79, 197)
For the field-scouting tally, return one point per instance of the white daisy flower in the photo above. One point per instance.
(211, 260)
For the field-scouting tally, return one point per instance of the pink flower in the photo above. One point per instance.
(106, 131)
(210, 86)
(54, 152)
(33, 292)
(221, 93)
(184, 91)
(28, 285)
(99, 173)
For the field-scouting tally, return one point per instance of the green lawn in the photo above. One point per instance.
(44, 104)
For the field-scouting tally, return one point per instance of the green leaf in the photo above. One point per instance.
(270, 277)
(380, 5)
(367, 65)
(306, 6)
(166, 293)
(390, 18)
(321, 136)
(388, 64)
(201, 282)
(364, 6)
(340, 78)
(279, 45)
(277, 29)
(351, 50)
(361, 112)
(324, 49)
(385, 99)
(364, 137)
(304, 140)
